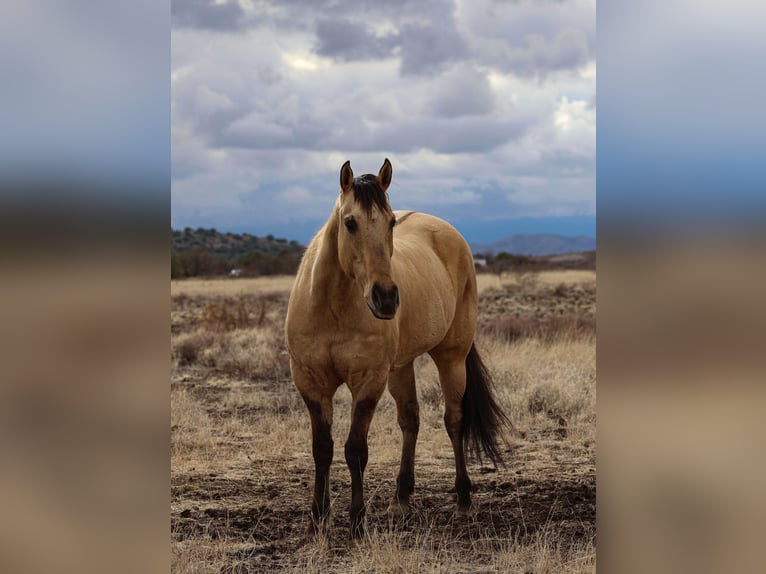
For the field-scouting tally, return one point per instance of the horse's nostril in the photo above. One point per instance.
(396, 295)
(376, 295)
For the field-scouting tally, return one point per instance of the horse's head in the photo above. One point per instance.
(366, 237)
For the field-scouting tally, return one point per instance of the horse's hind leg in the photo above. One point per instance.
(452, 375)
(401, 385)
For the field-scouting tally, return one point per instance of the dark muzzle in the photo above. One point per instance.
(385, 301)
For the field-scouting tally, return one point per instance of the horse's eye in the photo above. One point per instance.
(393, 222)
(351, 225)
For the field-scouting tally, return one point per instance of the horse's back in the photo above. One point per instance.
(420, 238)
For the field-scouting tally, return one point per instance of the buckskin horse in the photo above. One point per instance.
(376, 289)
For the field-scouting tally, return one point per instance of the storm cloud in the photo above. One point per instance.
(484, 104)
(207, 14)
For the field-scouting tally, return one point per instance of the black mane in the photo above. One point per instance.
(367, 192)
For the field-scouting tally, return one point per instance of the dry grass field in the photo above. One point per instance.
(241, 460)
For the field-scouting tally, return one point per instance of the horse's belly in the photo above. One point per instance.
(422, 329)
(428, 305)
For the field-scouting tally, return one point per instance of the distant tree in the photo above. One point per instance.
(176, 269)
(198, 262)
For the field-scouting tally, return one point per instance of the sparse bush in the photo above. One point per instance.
(253, 354)
(176, 268)
(190, 347)
(243, 312)
(240, 336)
(430, 394)
(561, 290)
(526, 278)
(547, 329)
(179, 298)
(545, 399)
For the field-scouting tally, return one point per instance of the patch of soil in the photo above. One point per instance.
(548, 485)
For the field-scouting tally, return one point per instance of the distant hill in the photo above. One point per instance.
(228, 246)
(536, 244)
(207, 252)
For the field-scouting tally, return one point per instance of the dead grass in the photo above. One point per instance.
(239, 336)
(192, 431)
(254, 354)
(544, 278)
(231, 286)
(242, 467)
(547, 329)
(547, 386)
(283, 283)
(392, 553)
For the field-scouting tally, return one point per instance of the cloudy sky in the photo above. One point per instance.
(486, 110)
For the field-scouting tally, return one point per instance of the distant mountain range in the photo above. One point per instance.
(232, 246)
(536, 244)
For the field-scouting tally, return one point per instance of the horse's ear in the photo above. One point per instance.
(346, 177)
(384, 175)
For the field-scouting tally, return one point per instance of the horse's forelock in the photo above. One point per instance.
(367, 193)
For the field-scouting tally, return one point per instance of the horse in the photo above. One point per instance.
(375, 289)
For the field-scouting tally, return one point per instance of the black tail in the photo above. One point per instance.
(483, 419)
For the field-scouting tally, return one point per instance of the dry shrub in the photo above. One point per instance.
(546, 329)
(561, 290)
(555, 401)
(236, 336)
(526, 278)
(242, 312)
(192, 431)
(200, 326)
(254, 354)
(430, 394)
(424, 552)
(179, 298)
(189, 347)
(537, 382)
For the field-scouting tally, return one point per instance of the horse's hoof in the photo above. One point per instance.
(313, 528)
(466, 510)
(357, 532)
(398, 509)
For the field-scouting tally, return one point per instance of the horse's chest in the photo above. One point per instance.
(345, 350)
(352, 353)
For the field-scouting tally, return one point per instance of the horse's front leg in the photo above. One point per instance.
(318, 400)
(365, 399)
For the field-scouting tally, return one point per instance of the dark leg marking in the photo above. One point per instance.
(356, 458)
(462, 482)
(409, 422)
(322, 449)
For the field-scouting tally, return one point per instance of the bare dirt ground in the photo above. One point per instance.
(242, 470)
